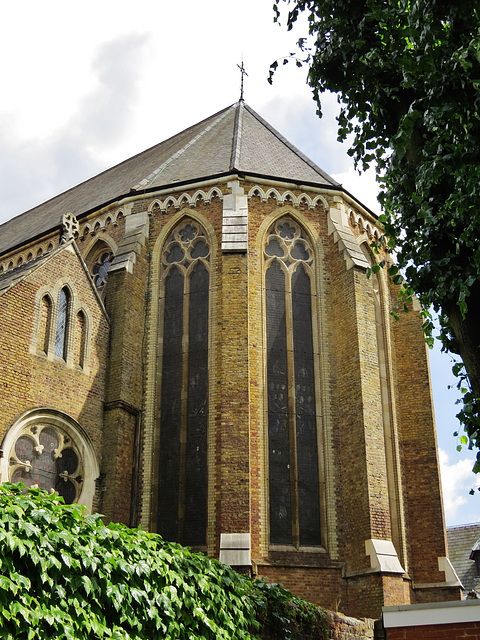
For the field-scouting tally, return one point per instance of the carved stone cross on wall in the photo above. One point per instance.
(70, 227)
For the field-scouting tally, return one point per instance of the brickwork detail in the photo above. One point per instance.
(365, 367)
(465, 630)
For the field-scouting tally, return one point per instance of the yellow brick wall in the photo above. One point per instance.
(124, 374)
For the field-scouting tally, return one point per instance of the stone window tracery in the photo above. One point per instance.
(48, 449)
(45, 456)
(183, 410)
(293, 456)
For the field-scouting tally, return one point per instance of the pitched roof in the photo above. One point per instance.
(235, 139)
(461, 541)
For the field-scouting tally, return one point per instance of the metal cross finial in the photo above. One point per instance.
(244, 73)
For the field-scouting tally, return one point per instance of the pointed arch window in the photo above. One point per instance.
(100, 270)
(99, 260)
(45, 324)
(46, 448)
(182, 459)
(293, 456)
(80, 339)
(61, 336)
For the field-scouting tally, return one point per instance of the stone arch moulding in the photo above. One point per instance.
(98, 258)
(288, 198)
(72, 436)
(91, 247)
(40, 344)
(153, 367)
(321, 382)
(185, 200)
(101, 223)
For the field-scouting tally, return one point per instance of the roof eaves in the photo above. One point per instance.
(237, 136)
(11, 278)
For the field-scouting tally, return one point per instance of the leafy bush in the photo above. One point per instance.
(64, 574)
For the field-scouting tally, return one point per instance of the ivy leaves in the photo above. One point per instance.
(66, 575)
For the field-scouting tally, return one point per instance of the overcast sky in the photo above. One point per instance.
(86, 85)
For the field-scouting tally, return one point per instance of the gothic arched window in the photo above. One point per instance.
(101, 268)
(45, 324)
(63, 320)
(80, 339)
(99, 260)
(46, 457)
(182, 461)
(47, 449)
(293, 465)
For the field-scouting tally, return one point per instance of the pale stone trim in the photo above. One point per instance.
(102, 219)
(343, 236)
(434, 613)
(235, 549)
(288, 197)
(451, 576)
(383, 556)
(136, 234)
(30, 253)
(235, 219)
(185, 200)
(94, 243)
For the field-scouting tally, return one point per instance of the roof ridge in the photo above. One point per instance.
(237, 136)
(143, 184)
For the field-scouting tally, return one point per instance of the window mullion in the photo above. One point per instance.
(184, 401)
(292, 411)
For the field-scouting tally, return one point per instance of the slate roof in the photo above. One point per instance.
(461, 541)
(235, 139)
(10, 278)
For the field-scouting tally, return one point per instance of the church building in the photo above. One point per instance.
(190, 342)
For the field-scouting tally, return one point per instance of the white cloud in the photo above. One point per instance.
(362, 185)
(457, 480)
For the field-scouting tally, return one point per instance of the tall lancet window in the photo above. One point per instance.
(294, 494)
(182, 463)
(63, 319)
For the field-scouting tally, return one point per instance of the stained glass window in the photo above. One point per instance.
(182, 464)
(61, 336)
(294, 498)
(100, 270)
(45, 322)
(45, 456)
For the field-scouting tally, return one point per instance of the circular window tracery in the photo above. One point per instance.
(46, 456)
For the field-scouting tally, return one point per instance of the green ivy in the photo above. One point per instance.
(64, 574)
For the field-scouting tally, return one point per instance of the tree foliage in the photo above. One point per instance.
(407, 73)
(66, 575)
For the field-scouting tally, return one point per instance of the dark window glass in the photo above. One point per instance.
(171, 407)
(294, 496)
(278, 421)
(305, 418)
(197, 410)
(182, 474)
